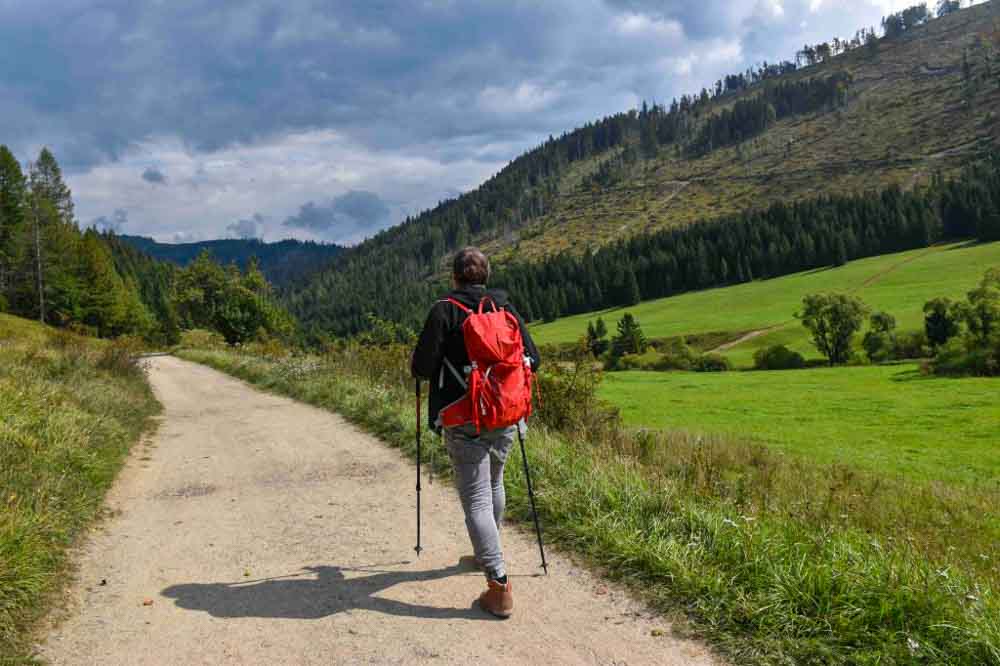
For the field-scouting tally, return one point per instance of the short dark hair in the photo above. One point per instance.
(471, 266)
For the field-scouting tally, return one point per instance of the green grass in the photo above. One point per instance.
(70, 408)
(897, 283)
(888, 419)
(773, 559)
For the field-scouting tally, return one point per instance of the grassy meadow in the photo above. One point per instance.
(774, 559)
(896, 283)
(889, 419)
(70, 409)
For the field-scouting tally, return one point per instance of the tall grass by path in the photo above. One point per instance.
(773, 560)
(70, 409)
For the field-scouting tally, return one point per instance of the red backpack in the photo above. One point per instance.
(498, 384)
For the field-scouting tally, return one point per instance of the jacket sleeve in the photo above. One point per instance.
(529, 345)
(426, 358)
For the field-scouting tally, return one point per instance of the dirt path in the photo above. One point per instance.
(746, 338)
(256, 530)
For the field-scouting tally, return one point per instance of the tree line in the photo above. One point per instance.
(50, 269)
(54, 271)
(750, 117)
(782, 239)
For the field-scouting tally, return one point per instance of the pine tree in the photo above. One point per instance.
(47, 182)
(13, 194)
(632, 294)
(630, 338)
(840, 252)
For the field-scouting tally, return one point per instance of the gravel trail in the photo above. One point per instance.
(253, 529)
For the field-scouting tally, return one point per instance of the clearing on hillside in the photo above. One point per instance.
(896, 283)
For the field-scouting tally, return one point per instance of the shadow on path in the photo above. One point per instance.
(329, 593)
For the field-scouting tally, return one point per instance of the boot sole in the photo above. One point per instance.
(500, 615)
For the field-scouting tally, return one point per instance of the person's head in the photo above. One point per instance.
(470, 267)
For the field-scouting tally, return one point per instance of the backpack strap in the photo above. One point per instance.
(482, 304)
(461, 307)
(458, 376)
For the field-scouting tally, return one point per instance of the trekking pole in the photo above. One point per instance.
(418, 548)
(531, 498)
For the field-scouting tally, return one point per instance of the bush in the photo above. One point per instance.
(567, 400)
(913, 344)
(778, 357)
(677, 355)
(712, 363)
(200, 338)
(121, 358)
(957, 357)
(879, 346)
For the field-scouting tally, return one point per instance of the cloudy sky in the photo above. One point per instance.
(332, 119)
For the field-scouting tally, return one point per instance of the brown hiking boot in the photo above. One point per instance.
(497, 599)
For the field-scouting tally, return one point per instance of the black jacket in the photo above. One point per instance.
(442, 338)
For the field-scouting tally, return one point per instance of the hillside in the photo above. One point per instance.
(282, 262)
(910, 112)
(892, 111)
(896, 283)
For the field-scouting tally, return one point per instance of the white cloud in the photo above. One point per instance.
(524, 98)
(265, 183)
(632, 24)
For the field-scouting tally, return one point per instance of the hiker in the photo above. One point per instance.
(478, 454)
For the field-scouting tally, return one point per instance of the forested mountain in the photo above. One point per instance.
(829, 230)
(895, 116)
(282, 262)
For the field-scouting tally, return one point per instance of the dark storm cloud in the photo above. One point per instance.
(95, 79)
(247, 228)
(389, 73)
(154, 176)
(343, 217)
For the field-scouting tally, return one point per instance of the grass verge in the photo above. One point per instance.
(773, 561)
(70, 408)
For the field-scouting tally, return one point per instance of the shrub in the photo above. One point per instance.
(677, 355)
(567, 397)
(912, 344)
(200, 338)
(712, 363)
(879, 346)
(121, 358)
(614, 363)
(778, 357)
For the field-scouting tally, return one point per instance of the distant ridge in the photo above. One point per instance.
(282, 262)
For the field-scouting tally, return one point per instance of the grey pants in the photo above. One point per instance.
(478, 462)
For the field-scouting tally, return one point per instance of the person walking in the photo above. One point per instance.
(478, 455)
